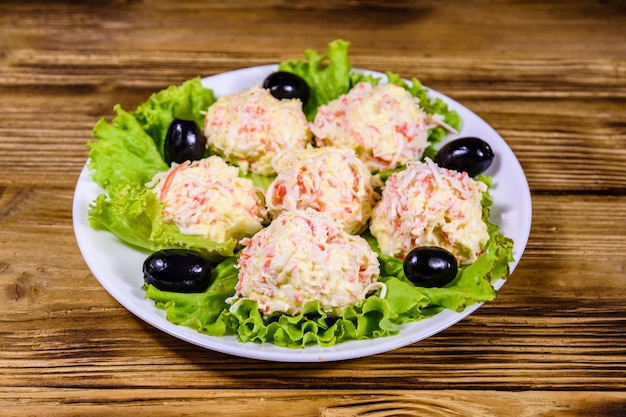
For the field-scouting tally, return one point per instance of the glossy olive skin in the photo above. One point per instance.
(285, 85)
(430, 266)
(184, 142)
(472, 155)
(177, 270)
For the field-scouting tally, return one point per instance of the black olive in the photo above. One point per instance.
(430, 266)
(472, 155)
(285, 85)
(177, 270)
(184, 142)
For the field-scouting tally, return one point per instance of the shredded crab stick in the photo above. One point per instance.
(168, 179)
(305, 256)
(207, 198)
(435, 120)
(250, 127)
(383, 124)
(325, 179)
(428, 205)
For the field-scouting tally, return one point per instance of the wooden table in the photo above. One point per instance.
(551, 78)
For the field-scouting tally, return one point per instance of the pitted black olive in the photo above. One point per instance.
(184, 142)
(472, 155)
(430, 266)
(177, 270)
(285, 85)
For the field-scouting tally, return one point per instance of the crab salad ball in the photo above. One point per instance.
(207, 198)
(305, 256)
(426, 205)
(250, 127)
(383, 124)
(324, 179)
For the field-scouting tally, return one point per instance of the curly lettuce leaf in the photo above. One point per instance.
(361, 77)
(471, 285)
(369, 319)
(204, 312)
(133, 214)
(406, 301)
(208, 313)
(124, 153)
(259, 180)
(373, 317)
(187, 101)
(327, 75)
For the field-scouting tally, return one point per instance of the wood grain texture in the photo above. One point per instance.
(582, 143)
(323, 403)
(550, 77)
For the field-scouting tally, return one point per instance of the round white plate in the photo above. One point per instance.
(118, 267)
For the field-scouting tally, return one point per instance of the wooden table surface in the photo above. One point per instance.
(550, 77)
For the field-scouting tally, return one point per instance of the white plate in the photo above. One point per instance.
(118, 267)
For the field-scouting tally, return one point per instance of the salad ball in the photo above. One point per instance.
(249, 128)
(325, 179)
(426, 205)
(383, 124)
(305, 256)
(208, 198)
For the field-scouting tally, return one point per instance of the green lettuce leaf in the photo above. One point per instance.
(369, 319)
(133, 214)
(187, 101)
(124, 153)
(261, 181)
(204, 312)
(373, 317)
(473, 282)
(327, 75)
(407, 302)
(361, 77)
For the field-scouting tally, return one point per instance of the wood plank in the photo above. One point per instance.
(535, 29)
(507, 343)
(326, 403)
(552, 131)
